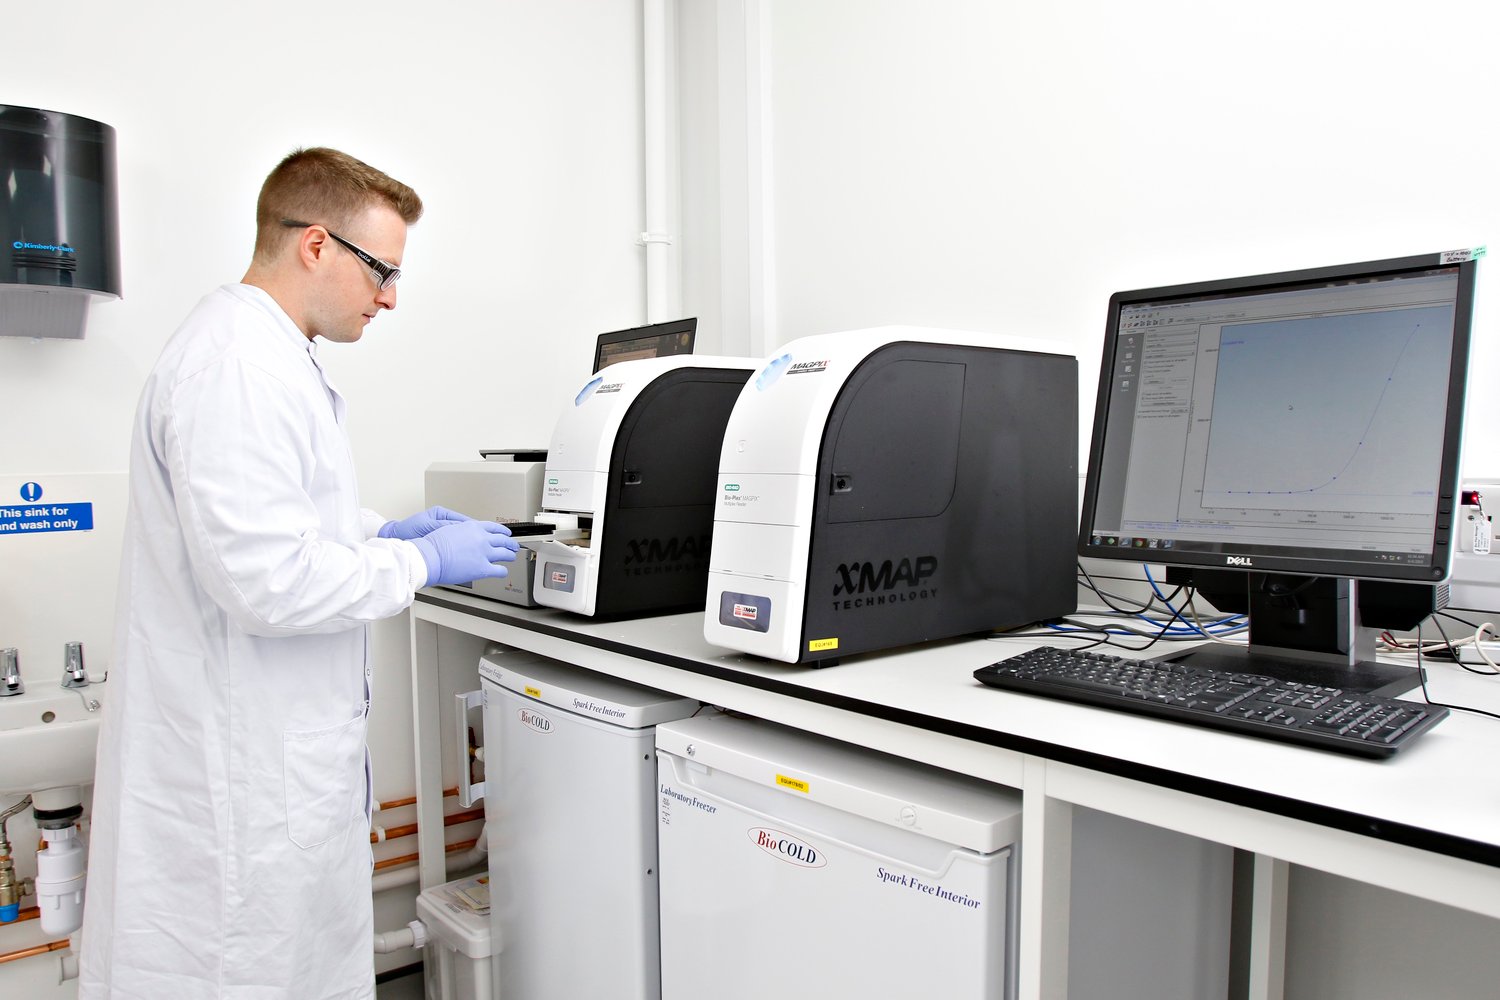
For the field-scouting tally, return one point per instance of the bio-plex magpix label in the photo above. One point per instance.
(785, 847)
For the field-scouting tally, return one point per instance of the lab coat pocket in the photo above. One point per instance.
(323, 768)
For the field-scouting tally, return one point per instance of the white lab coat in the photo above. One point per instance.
(230, 853)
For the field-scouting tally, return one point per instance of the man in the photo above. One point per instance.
(230, 849)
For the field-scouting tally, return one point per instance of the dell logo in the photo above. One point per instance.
(1238, 561)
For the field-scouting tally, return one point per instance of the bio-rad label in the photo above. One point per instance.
(735, 495)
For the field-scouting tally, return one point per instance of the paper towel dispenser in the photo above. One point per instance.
(59, 221)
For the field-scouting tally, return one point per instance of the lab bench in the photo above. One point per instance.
(1425, 823)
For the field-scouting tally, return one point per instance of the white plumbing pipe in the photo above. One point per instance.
(473, 856)
(397, 877)
(60, 881)
(394, 879)
(661, 303)
(67, 962)
(413, 935)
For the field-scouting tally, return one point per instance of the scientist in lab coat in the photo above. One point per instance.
(230, 853)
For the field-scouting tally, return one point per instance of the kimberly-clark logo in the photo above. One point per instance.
(786, 848)
(540, 723)
(51, 247)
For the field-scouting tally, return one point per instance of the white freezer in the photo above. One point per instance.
(569, 775)
(793, 866)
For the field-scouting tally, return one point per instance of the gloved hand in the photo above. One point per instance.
(421, 524)
(464, 551)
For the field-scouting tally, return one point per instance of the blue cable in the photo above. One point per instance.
(1193, 628)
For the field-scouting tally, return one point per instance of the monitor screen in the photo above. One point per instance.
(655, 341)
(1288, 445)
(1305, 422)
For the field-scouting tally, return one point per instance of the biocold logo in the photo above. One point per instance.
(532, 720)
(785, 847)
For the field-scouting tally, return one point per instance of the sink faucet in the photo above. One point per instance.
(74, 676)
(10, 672)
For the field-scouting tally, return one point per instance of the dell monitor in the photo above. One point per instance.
(1282, 441)
(656, 341)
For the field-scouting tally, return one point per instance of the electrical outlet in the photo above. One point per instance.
(1469, 654)
(1474, 583)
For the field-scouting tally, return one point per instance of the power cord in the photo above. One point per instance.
(1175, 627)
(1422, 675)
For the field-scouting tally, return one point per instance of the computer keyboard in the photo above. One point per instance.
(1325, 717)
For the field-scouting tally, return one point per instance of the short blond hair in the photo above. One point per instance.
(327, 187)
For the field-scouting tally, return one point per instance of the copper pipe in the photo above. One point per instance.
(406, 859)
(40, 949)
(410, 800)
(452, 819)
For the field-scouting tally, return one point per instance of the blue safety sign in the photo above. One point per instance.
(32, 518)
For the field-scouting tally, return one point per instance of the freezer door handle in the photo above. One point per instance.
(469, 792)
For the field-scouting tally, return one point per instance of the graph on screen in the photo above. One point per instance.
(1343, 405)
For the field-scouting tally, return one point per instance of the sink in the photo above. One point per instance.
(48, 736)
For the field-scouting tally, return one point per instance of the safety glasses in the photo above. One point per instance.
(386, 275)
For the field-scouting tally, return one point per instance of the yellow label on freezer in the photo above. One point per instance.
(533, 692)
(794, 783)
(818, 645)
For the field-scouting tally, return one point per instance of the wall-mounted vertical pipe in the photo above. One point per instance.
(663, 292)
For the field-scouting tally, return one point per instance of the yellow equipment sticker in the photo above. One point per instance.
(796, 784)
(534, 692)
(818, 645)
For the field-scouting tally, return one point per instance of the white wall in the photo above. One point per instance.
(963, 163)
(1006, 166)
(518, 123)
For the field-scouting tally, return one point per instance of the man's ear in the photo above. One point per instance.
(311, 245)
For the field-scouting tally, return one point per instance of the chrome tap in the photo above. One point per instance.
(74, 676)
(10, 672)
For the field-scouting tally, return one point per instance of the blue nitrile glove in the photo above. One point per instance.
(465, 551)
(421, 524)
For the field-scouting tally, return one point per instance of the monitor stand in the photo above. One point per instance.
(1302, 629)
